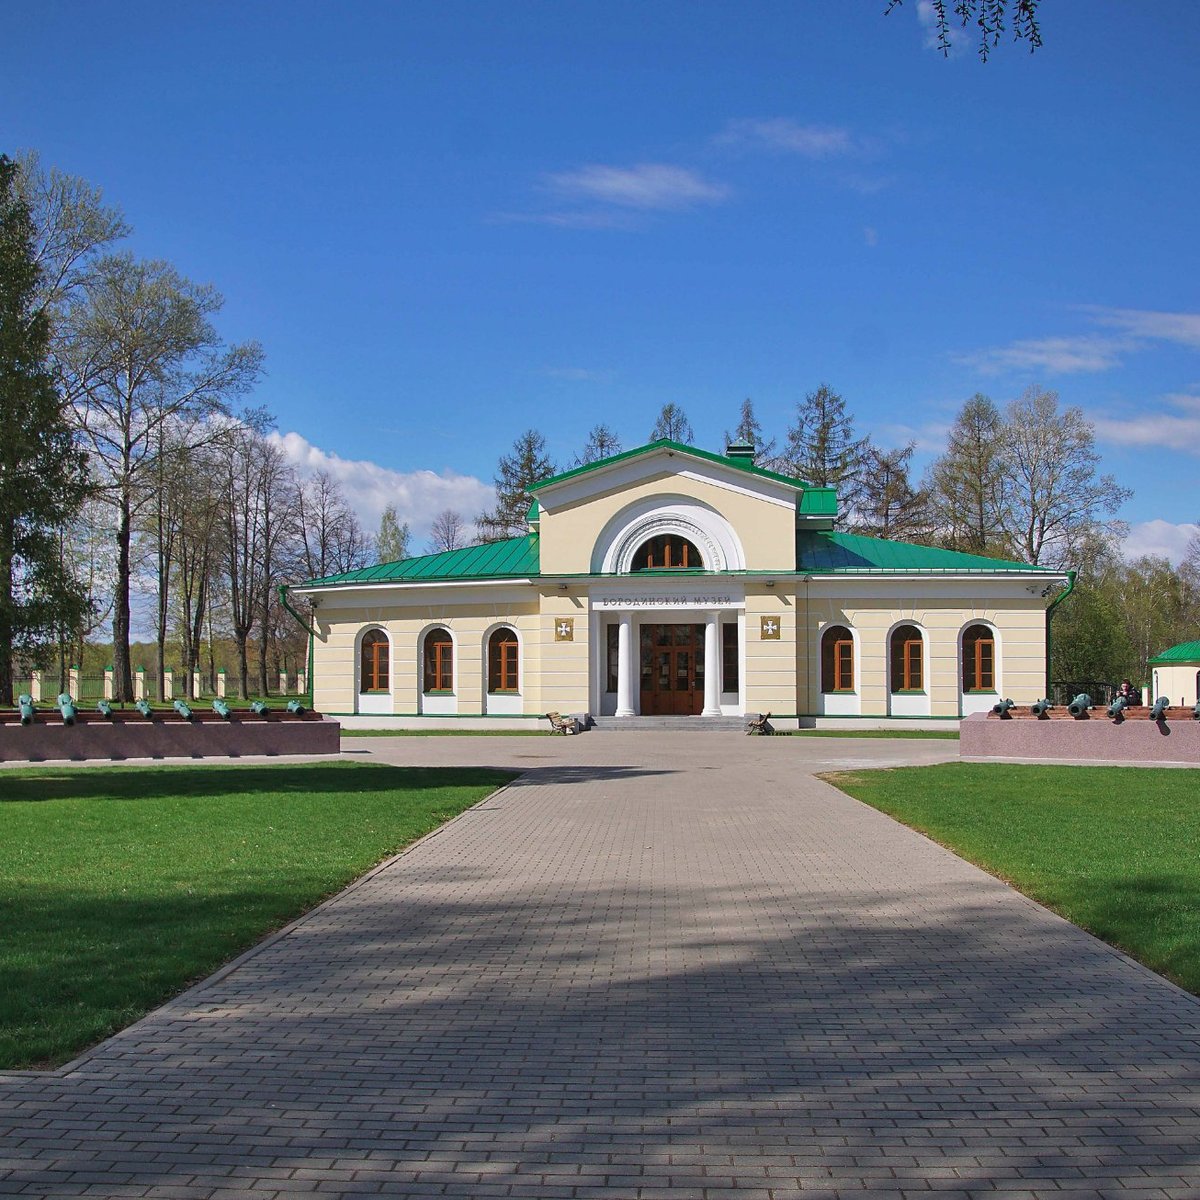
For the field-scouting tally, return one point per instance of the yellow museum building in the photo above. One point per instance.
(672, 581)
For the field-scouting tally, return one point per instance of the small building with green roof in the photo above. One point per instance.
(673, 581)
(1175, 673)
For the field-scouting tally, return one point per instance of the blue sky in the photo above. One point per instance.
(447, 222)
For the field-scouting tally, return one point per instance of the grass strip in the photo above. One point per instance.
(120, 886)
(445, 732)
(945, 735)
(1116, 850)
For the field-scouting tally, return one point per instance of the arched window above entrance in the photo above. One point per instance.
(667, 552)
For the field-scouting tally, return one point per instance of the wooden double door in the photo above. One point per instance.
(672, 670)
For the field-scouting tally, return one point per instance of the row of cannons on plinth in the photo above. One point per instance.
(221, 711)
(145, 732)
(1081, 708)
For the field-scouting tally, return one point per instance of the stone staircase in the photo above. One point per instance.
(679, 724)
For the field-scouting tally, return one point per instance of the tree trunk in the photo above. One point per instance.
(242, 636)
(6, 624)
(122, 675)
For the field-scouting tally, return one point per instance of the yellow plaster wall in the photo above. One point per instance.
(334, 653)
(769, 683)
(1021, 650)
(564, 665)
(1175, 682)
(569, 532)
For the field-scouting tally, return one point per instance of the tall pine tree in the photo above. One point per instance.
(750, 431)
(673, 424)
(42, 472)
(822, 449)
(967, 484)
(515, 474)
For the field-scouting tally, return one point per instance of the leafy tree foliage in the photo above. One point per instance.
(673, 424)
(1121, 614)
(516, 473)
(601, 443)
(989, 18)
(72, 224)
(42, 473)
(392, 544)
(822, 448)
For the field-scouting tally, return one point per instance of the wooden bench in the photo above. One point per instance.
(760, 724)
(561, 724)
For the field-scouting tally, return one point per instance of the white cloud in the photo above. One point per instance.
(1173, 430)
(1134, 329)
(1055, 355)
(369, 488)
(644, 186)
(1181, 328)
(783, 135)
(1159, 538)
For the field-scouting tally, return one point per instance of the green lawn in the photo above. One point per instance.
(531, 732)
(121, 885)
(946, 735)
(1113, 849)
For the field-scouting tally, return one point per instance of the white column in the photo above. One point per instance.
(625, 666)
(712, 665)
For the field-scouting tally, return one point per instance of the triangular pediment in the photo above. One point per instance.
(665, 461)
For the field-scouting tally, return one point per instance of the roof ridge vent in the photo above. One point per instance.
(740, 452)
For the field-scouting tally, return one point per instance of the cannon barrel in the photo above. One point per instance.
(181, 707)
(1159, 710)
(66, 706)
(1041, 708)
(1118, 706)
(1080, 705)
(258, 707)
(104, 709)
(1001, 707)
(296, 708)
(25, 704)
(143, 706)
(221, 709)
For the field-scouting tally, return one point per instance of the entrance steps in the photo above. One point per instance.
(680, 724)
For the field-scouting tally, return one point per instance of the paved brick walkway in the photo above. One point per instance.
(654, 967)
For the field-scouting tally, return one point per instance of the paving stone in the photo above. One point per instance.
(656, 966)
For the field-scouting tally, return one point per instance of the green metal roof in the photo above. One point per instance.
(821, 551)
(1185, 652)
(513, 558)
(738, 464)
(818, 502)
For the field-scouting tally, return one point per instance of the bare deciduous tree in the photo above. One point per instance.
(448, 532)
(139, 352)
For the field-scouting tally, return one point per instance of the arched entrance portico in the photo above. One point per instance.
(667, 650)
